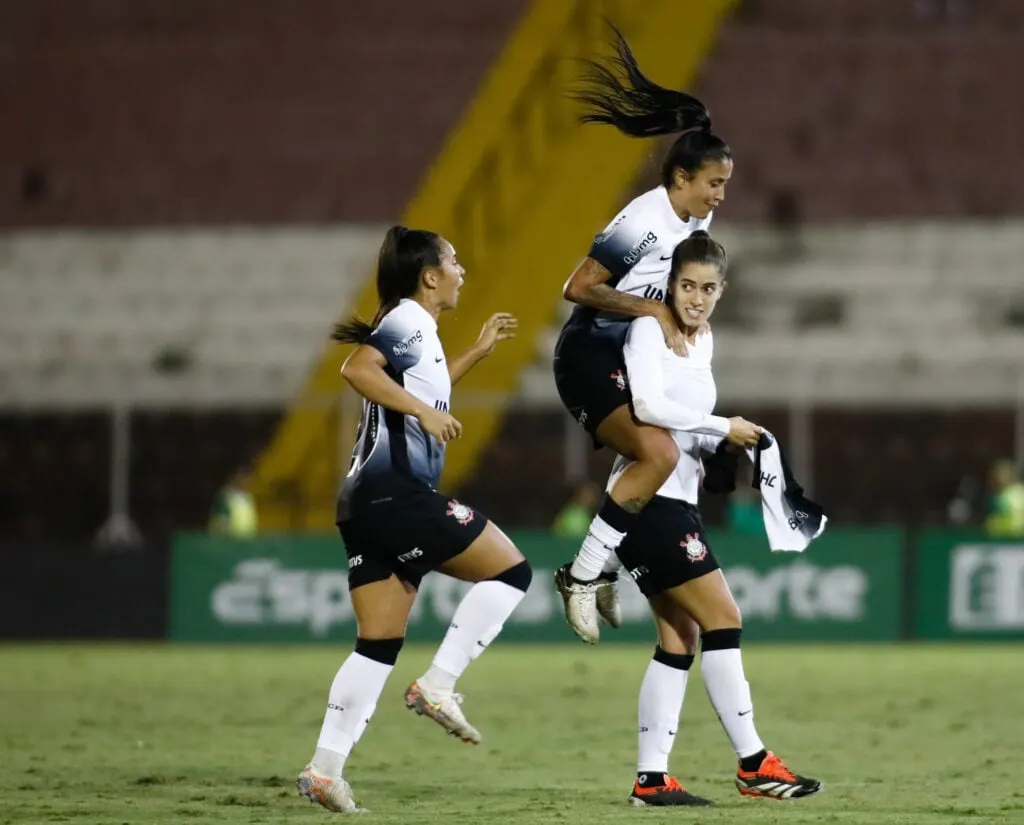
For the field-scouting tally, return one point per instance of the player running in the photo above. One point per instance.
(667, 552)
(395, 525)
(623, 277)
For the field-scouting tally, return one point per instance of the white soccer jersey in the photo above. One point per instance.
(636, 247)
(677, 394)
(392, 451)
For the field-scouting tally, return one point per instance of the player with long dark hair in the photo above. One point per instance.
(624, 277)
(395, 524)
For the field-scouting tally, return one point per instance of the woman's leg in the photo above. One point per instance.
(382, 610)
(660, 703)
(654, 455)
(710, 602)
(501, 578)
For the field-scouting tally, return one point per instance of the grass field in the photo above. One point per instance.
(125, 734)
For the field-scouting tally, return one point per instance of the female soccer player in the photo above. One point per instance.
(667, 552)
(395, 524)
(623, 277)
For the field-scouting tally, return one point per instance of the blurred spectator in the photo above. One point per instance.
(964, 506)
(234, 510)
(1006, 517)
(575, 517)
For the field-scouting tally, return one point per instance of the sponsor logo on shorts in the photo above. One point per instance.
(415, 553)
(583, 418)
(620, 379)
(460, 512)
(355, 561)
(695, 549)
(637, 572)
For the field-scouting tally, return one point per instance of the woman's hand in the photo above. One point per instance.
(498, 327)
(743, 433)
(675, 339)
(440, 425)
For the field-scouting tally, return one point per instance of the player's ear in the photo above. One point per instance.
(430, 277)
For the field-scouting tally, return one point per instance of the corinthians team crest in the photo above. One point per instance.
(460, 512)
(695, 549)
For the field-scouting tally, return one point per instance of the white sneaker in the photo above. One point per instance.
(444, 710)
(332, 793)
(580, 601)
(607, 598)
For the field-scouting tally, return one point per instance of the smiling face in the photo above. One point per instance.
(698, 194)
(694, 293)
(445, 280)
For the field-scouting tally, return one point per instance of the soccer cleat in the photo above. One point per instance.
(671, 793)
(334, 794)
(773, 779)
(580, 601)
(607, 598)
(444, 710)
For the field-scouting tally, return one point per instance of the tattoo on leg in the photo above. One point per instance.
(634, 505)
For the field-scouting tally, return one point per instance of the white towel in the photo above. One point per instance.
(790, 519)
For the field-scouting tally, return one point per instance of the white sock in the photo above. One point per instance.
(350, 704)
(729, 692)
(661, 701)
(602, 540)
(477, 620)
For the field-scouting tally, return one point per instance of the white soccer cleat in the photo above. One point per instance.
(332, 793)
(607, 598)
(580, 601)
(444, 710)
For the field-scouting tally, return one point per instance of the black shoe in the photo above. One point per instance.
(773, 779)
(671, 793)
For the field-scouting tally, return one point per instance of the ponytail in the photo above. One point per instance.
(403, 256)
(617, 93)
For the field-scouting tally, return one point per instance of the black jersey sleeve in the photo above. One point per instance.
(625, 241)
(399, 339)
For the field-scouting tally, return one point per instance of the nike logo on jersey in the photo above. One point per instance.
(438, 360)
(668, 258)
(745, 712)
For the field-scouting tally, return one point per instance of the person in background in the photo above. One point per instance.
(234, 510)
(1006, 517)
(574, 519)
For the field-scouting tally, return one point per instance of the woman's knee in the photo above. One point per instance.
(725, 615)
(657, 449)
(519, 575)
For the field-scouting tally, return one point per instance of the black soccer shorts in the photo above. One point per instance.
(590, 374)
(408, 535)
(666, 547)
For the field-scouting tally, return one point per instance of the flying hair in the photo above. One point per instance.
(614, 91)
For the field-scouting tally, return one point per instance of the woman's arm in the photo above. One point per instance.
(364, 370)
(498, 327)
(587, 286)
(643, 351)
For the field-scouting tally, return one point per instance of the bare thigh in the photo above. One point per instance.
(709, 601)
(677, 631)
(490, 554)
(382, 608)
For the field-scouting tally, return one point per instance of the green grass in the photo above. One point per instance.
(125, 734)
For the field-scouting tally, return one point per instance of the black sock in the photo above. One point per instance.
(752, 763)
(651, 780)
